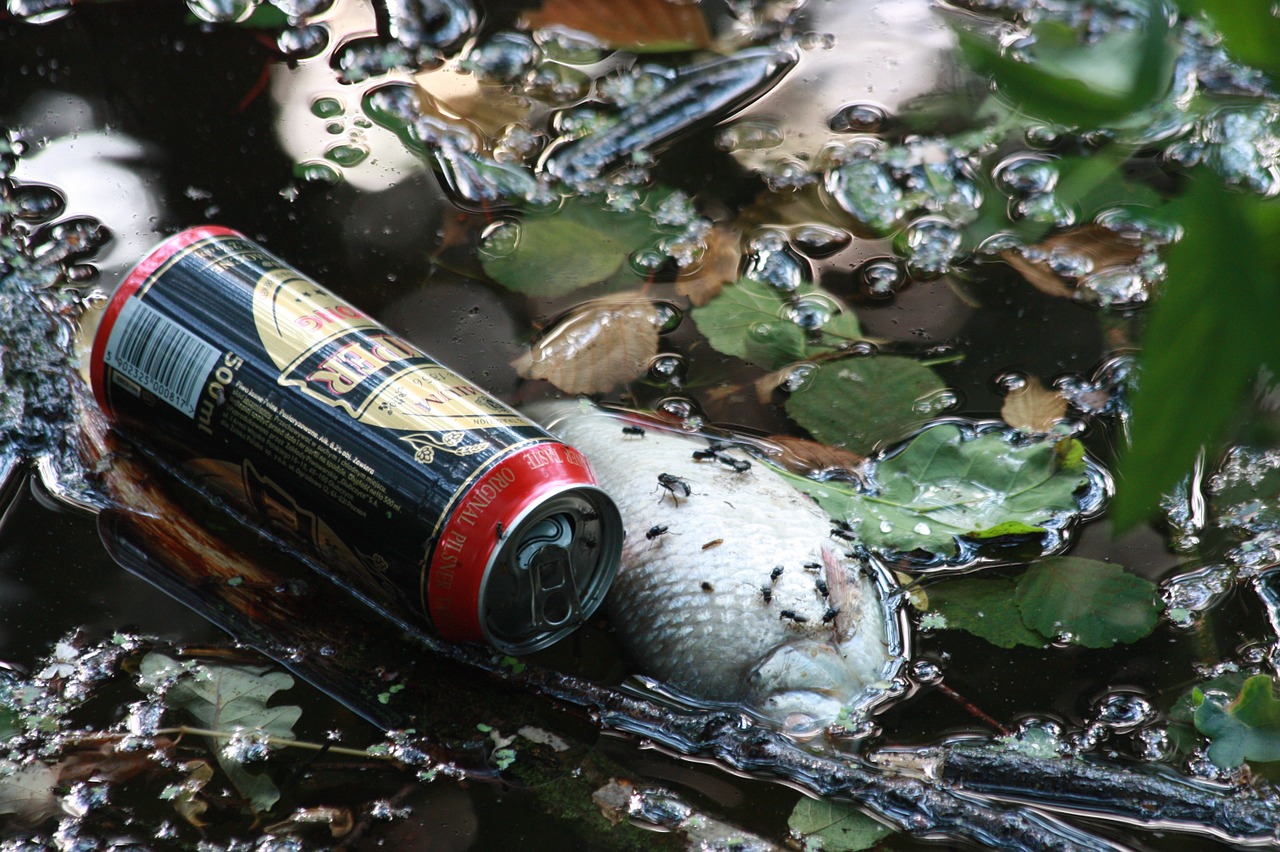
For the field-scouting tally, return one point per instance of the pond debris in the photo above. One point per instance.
(654, 807)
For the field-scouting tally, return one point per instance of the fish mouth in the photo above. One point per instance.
(807, 685)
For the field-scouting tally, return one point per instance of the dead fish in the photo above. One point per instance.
(695, 618)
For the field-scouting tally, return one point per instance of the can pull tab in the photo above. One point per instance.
(544, 555)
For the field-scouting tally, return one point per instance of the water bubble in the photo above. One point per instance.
(921, 529)
(668, 369)
(648, 261)
(557, 84)
(303, 42)
(762, 332)
(1024, 174)
(1153, 744)
(669, 316)
(933, 243)
(862, 349)
(886, 527)
(574, 47)
(999, 243)
(749, 135)
(936, 403)
(222, 11)
(786, 173)
(778, 268)
(246, 746)
(1042, 135)
(504, 58)
(881, 277)
(500, 239)
(81, 273)
(1122, 712)
(36, 202)
(346, 154)
(1010, 381)
(818, 241)
(299, 9)
(866, 191)
(811, 312)
(799, 377)
(317, 172)
(926, 671)
(40, 11)
(1044, 208)
(858, 118)
(516, 143)
(682, 409)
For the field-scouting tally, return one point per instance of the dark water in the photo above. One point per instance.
(150, 122)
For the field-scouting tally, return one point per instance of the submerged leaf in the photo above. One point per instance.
(578, 244)
(766, 326)
(26, 792)
(1085, 602)
(637, 25)
(1248, 728)
(227, 699)
(835, 827)
(703, 281)
(1092, 249)
(861, 403)
(809, 458)
(984, 607)
(596, 347)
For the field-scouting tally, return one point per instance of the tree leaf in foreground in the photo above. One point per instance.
(1205, 340)
(984, 607)
(862, 403)
(1090, 603)
(228, 699)
(946, 485)
(1247, 728)
(834, 827)
(759, 323)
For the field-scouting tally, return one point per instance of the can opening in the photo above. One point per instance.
(552, 571)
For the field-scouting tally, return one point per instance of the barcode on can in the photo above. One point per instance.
(160, 355)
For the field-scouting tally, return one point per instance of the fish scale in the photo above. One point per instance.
(696, 617)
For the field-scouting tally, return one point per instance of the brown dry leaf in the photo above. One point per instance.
(451, 96)
(595, 347)
(1106, 248)
(1033, 408)
(805, 457)
(719, 266)
(639, 25)
(614, 799)
(339, 820)
(26, 792)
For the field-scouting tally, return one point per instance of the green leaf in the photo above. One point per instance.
(834, 827)
(1096, 604)
(575, 245)
(1250, 31)
(1247, 728)
(945, 485)
(984, 607)
(1205, 341)
(227, 699)
(753, 321)
(1080, 84)
(862, 403)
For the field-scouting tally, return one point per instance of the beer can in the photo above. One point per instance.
(408, 484)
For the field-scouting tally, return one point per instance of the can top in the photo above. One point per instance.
(527, 555)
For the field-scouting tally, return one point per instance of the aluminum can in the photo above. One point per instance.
(405, 482)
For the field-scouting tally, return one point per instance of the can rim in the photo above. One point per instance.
(137, 277)
(452, 599)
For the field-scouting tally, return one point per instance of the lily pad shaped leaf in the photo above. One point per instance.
(1247, 728)
(951, 483)
(759, 323)
(1085, 602)
(834, 827)
(984, 607)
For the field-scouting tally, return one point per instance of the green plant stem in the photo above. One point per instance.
(283, 742)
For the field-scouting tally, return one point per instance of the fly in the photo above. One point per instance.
(657, 530)
(675, 486)
(633, 431)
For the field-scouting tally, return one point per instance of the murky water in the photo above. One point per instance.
(150, 121)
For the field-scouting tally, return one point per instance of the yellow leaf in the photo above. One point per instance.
(596, 346)
(1033, 408)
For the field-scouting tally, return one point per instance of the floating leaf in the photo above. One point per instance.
(1092, 248)
(766, 326)
(1247, 728)
(1032, 408)
(834, 827)
(576, 245)
(860, 403)
(654, 26)
(26, 791)
(946, 484)
(1094, 604)
(1205, 340)
(227, 699)
(809, 458)
(984, 607)
(596, 347)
